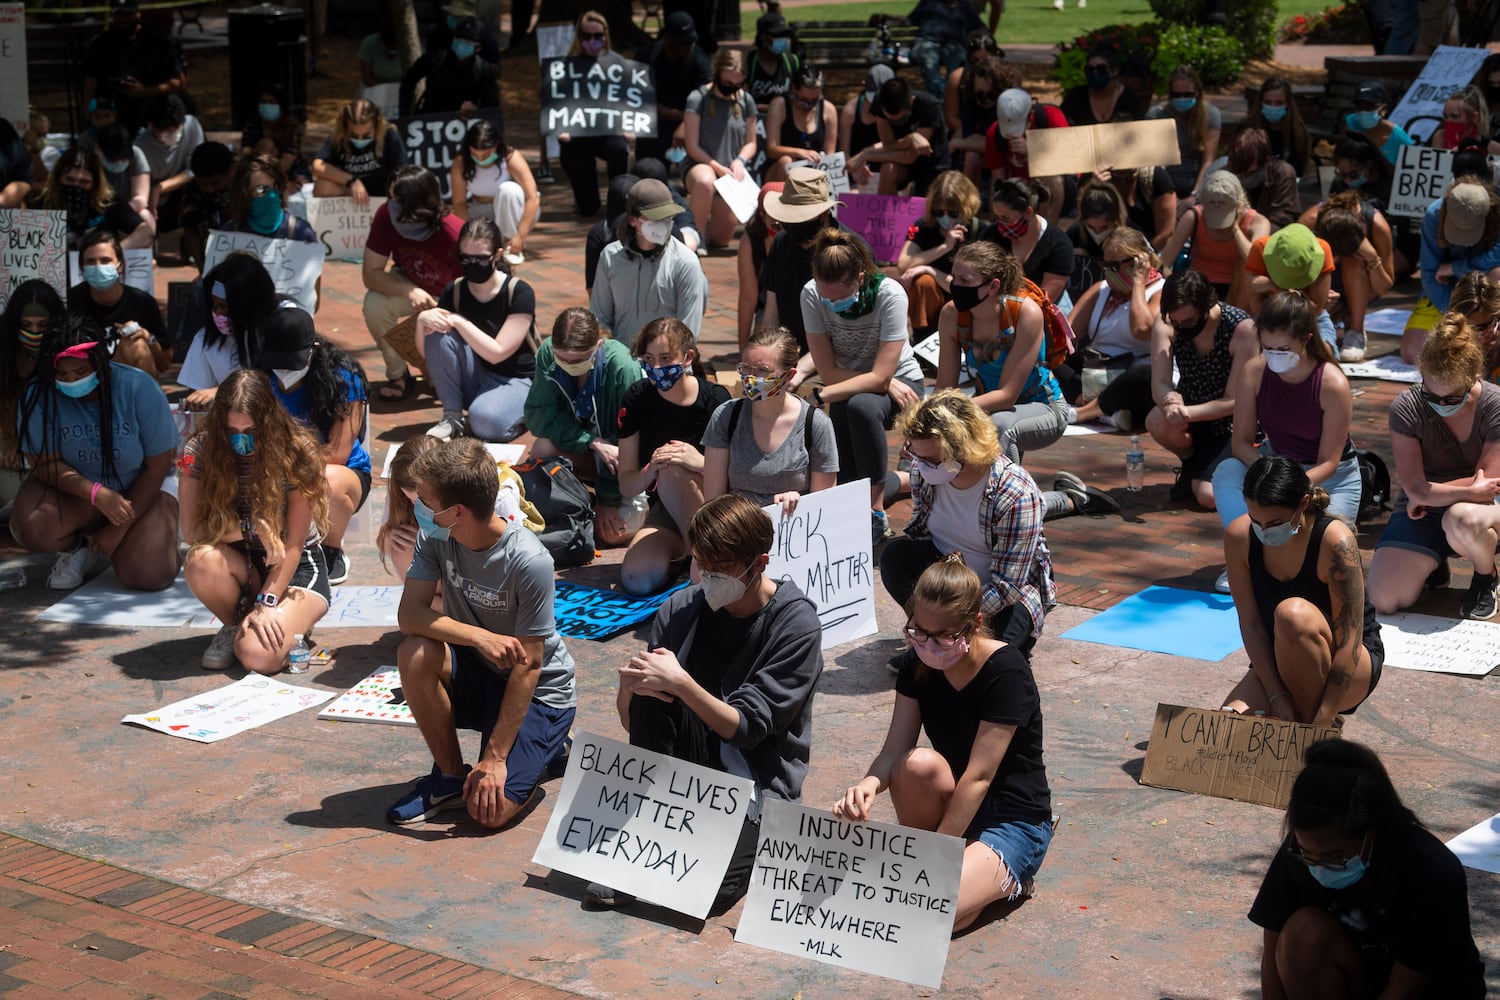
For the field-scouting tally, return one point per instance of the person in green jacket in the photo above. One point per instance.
(573, 409)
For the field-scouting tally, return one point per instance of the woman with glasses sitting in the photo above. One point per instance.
(984, 778)
(256, 203)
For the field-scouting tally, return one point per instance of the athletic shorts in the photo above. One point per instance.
(476, 690)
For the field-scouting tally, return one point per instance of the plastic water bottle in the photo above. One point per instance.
(297, 657)
(633, 511)
(1135, 465)
(13, 579)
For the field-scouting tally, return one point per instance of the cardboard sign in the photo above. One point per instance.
(1084, 149)
(342, 225)
(606, 96)
(867, 896)
(377, 698)
(659, 828)
(587, 613)
(1442, 645)
(247, 703)
(1243, 757)
(432, 140)
(1449, 68)
(1422, 175)
(294, 267)
(824, 548)
(33, 245)
(883, 220)
(14, 97)
(140, 269)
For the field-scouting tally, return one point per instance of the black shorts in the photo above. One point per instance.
(311, 574)
(364, 488)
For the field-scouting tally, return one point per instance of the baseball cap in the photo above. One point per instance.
(772, 24)
(1220, 197)
(680, 27)
(1293, 257)
(875, 79)
(1013, 111)
(651, 199)
(287, 340)
(1370, 93)
(805, 196)
(1465, 208)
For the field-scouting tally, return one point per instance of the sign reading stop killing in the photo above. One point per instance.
(610, 95)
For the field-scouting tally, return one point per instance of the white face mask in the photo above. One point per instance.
(290, 378)
(721, 589)
(1281, 362)
(656, 231)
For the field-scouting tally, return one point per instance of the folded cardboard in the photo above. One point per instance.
(1084, 149)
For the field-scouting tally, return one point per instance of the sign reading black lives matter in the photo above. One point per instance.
(605, 96)
(650, 825)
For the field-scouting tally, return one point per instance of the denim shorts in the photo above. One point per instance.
(1424, 535)
(1021, 846)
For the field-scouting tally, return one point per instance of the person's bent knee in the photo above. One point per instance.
(147, 575)
(1203, 492)
(1307, 937)
(419, 654)
(1299, 616)
(507, 813)
(921, 767)
(544, 448)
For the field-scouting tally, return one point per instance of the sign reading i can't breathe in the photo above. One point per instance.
(609, 95)
(650, 825)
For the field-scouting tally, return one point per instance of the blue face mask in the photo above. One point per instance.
(269, 112)
(1357, 182)
(362, 143)
(101, 276)
(266, 213)
(425, 521)
(1273, 113)
(780, 46)
(945, 222)
(1361, 121)
(663, 377)
(463, 48)
(1183, 105)
(116, 166)
(242, 444)
(452, 21)
(80, 387)
(676, 154)
(841, 305)
(1332, 878)
(1446, 410)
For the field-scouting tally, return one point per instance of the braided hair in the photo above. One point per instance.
(39, 397)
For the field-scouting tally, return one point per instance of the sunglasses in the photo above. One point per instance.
(1450, 400)
(591, 36)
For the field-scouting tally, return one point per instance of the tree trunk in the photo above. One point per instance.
(408, 37)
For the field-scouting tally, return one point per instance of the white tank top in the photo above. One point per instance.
(487, 180)
(1109, 331)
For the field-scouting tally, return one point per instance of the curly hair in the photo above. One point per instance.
(1451, 354)
(39, 396)
(1476, 292)
(963, 431)
(287, 457)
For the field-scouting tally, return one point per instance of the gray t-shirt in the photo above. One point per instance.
(169, 161)
(857, 340)
(1439, 463)
(721, 126)
(758, 476)
(506, 589)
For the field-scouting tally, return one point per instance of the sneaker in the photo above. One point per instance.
(1221, 584)
(1478, 603)
(1086, 499)
(1182, 486)
(67, 572)
(338, 564)
(450, 427)
(513, 259)
(430, 794)
(220, 652)
(599, 894)
(1122, 420)
(880, 527)
(1440, 577)
(1352, 350)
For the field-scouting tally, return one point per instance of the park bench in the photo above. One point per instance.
(844, 43)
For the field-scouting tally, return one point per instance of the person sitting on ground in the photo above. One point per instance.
(1359, 167)
(678, 67)
(802, 209)
(205, 199)
(240, 297)
(96, 485)
(1295, 259)
(913, 146)
(1008, 157)
(1460, 233)
(495, 665)
(1103, 98)
(578, 154)
(1150, 199)
(646, 274)
(1299, 589)
(129, 319)
(661, 425)
(1269, 183)
(727, 675)
(1444, 432)
(479, 342)
(1295, 394)
(324, 388)
(718, 130)
(1207, 342)
(168, 141)
(772, 446)
(410, 257)
(1217, 233)
(749, 257)
(574, 405)
(1360, 899)
(970, 104)
(276, 133)
(1476, 297)
(925, 265)
(857, 127)
(257, 202)
(129, 63)
(31, 307)
(1198, 124)
(491, 180)
(126, 170)
(801, 127)
(254, 505)
(1368, 119)
(984, 778)
(856, 333)
(1276, 114)
(1101, 211)
(77, 185)
(1113, 321)
(1360, 238)
(1020, 228)
(1466, 115)
(772, 64)
(999, 338)
(359, 157)
(380, 54)
(458, 79)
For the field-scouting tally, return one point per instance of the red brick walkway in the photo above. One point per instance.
(71, 927)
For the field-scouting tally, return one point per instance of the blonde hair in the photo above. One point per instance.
(360, 112)
(576, 49)
(1452, 354)
(778, 339)
(952, 189)
(730, 61)
(1132, 243)
(1472, 98)
(963, 431)
(992, 261)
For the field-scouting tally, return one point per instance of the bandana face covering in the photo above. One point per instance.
(663, 376)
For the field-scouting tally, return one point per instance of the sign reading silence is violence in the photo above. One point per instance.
(610, 95)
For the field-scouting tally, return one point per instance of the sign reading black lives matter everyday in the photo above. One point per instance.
(605, 96)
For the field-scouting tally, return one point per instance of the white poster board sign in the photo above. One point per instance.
(1449, 68)
(31, 246)
(742, 196)
(385, 96)
(1442, 645)
(140, 269)
(824, 548)
(835, 165)
(867, 896)
(342, 225)
(215, 715)
(294, 267)
(1387, 368)
(653, 826)
(352, 607)
(552, 42)
(1422, 175)
(14, 97)
(1478, 847)
(103, 601)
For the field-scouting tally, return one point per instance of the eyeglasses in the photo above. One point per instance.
(1183, 94)
(591, 36)
(475, 258)
(941, 639)
(1450, 400)
(1297, 854)
(260, 189)
(758, 371)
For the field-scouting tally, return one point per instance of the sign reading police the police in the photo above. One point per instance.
(644, 823)
(869, 896)
(605, 96)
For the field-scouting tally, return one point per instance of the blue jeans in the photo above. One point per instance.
(1021, 846)
(1343, 487)
(496, 404)
(927, 55)
(1327, 332)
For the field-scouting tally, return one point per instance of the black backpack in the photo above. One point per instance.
(565, 508)
(1374, 484)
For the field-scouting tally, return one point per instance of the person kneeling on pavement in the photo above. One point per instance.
(728, 673)
(492, 659)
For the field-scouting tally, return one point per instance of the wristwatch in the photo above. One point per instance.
(817, 395)
(267, 600)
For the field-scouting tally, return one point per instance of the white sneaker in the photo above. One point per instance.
(220, 652)
(1122, 421)
(513, 259)
(67, 572)
(450, 427)
(1353, 349)
(1222, 583)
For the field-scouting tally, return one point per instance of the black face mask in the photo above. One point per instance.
(966, 298)
(803, 232)
(478, 274)
(726, 89)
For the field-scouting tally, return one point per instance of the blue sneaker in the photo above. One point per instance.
(430, 795)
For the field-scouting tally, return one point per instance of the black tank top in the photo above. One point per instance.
(1269, 591)
(793, 136)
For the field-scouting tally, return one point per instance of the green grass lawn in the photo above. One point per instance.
(1025, 21)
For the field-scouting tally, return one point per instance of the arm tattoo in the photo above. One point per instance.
(1347, 583)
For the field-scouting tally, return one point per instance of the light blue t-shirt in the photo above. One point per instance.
(142, 427)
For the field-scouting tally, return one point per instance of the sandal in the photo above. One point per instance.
(396, 389)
